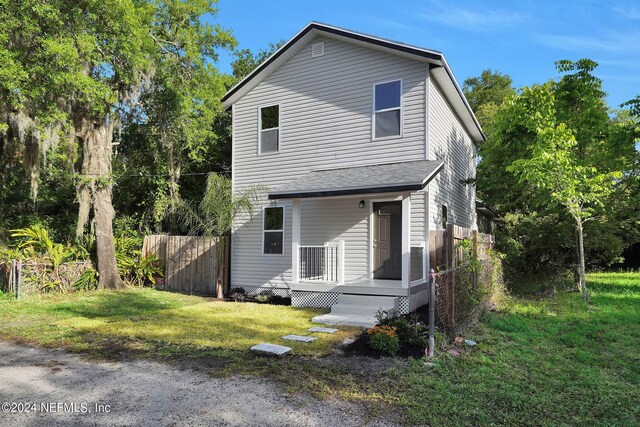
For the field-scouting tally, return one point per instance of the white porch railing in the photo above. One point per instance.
(417, 259)
(321, 263)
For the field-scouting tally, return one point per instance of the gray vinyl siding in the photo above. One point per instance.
(325, 122)
(326, 110)
(249, 266)
(330, 220)
(418, 216)
(450, 141)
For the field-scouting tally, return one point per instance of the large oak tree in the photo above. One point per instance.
(80, 69)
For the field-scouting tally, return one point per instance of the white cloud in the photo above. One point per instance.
(630, 12)
(612, 42)
(467, 18)
(395, 25)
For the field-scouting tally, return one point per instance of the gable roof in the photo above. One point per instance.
(440, 69)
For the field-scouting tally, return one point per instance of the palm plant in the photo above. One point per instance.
(214, 215)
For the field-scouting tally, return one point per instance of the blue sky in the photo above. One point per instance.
(521, 39)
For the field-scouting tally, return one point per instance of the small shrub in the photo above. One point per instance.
(278, 300)
(262, 298)
(384, 339)
(412, 332)
(238, 294)
(386, 317)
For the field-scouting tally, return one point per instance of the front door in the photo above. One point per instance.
(387, 240)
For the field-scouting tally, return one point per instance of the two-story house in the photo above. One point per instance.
(363, 143)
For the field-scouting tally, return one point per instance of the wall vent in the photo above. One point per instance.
(317, 49)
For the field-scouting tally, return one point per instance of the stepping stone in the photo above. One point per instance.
(271, 349)
(323, 330)
(300, 338)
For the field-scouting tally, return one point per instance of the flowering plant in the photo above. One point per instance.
(384, 339)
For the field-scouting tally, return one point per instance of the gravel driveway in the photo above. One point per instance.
(63, 389)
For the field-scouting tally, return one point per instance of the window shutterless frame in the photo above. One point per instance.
(265, 231)
(261, 130)
(399, 108)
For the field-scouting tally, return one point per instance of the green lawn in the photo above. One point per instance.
(141, 321)
(552, 361)
(541, 362)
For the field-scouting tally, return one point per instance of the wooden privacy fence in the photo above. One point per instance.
(445, 251)
(456, 281)
(192, 264)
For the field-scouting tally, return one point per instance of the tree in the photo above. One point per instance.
(554, 167)
(214, 215)
(486, 94)
(246, 61)
(534, 232)
(88, 66)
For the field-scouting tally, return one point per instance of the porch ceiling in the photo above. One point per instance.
(385, 178)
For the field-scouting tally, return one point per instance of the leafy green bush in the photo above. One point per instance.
(139, 271)
(384, 339)
(87, 281)
(135, 269)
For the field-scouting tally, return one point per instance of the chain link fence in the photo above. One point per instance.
(462, 292)
(28, 278)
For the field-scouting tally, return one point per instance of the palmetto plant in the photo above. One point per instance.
(133, 268)
(35, 243)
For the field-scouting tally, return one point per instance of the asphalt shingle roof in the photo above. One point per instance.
(386, 178)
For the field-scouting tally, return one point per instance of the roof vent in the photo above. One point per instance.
(317, 49)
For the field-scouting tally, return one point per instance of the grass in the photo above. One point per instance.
(539, 361)
(553, 361)
(141, 321)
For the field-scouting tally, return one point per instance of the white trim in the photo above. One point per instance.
(295, 240)
(279, 128)
(427, 97)
(374, 111)
(397, 198)
(406, 239)
(426, 262)
(273, 231)
(342, 249)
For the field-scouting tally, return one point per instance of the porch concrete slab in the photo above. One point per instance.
(271, 349)
(323, 330)
(300, 338)
(346, 320)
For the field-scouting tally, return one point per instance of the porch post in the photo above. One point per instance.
(295, 240)
(341, 262)
(406, 239)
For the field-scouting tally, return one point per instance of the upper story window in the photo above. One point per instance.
(269, 129)
(273, 231)
(387, 109)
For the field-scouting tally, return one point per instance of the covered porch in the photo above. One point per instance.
(359, 231)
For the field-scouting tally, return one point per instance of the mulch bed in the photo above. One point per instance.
(360, 347)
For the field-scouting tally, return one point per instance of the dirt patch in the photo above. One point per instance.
(147, 393)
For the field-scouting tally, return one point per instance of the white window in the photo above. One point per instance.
(269, 129)
(273, 231)
(387, 109)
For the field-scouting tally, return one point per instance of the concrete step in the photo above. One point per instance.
(356, 310)
(377, 302)
(346, 320)
(323, 330)
(271, 349)
(300, 338)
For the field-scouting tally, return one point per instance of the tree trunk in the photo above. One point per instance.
(95, 192)
(582, 280)
(221, 281)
